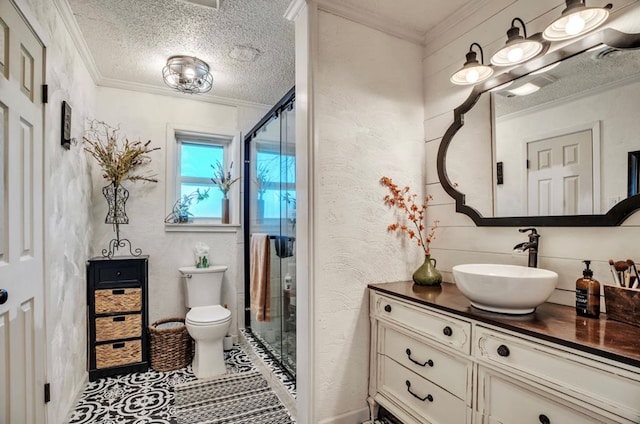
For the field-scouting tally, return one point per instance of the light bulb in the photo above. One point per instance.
(515, 54)
(472, 76)
(190, 73)
(575, 24)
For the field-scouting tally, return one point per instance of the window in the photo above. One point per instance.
(195, 156)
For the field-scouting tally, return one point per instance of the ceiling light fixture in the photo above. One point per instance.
(472, 72)
(518, 49)
(187, 74)
(575, 20)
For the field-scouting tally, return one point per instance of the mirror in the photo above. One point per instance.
(564, 154)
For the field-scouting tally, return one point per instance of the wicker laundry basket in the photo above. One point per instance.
(171, 345)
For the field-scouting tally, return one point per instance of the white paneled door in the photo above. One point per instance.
(21, 221)
(560, 175)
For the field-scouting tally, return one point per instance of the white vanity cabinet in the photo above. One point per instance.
(433, 365)
(421, 370)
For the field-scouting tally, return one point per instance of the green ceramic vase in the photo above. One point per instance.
(427, 274)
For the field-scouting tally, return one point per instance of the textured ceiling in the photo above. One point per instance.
(130, 40)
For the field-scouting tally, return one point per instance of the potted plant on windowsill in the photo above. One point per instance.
(180, 211)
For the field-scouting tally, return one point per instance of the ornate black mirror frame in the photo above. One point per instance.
(615, 216)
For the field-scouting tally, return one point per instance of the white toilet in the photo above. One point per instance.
(207, 321)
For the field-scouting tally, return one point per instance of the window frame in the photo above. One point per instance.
(229, 140)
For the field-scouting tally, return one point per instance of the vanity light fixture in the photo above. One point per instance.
(518, 49)
(576, 19)
(187, 74)
(472, 72)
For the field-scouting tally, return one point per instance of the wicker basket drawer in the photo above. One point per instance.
(118, 300)
(119, 353)
(120, 327)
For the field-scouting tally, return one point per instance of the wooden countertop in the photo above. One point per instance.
(555, 323)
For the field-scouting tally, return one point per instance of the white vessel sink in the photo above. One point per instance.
(507, 289)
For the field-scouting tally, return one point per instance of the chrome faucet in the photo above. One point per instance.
(531, 246)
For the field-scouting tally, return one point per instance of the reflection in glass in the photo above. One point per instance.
(564, 145)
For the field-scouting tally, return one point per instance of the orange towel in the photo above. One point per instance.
(260, 274)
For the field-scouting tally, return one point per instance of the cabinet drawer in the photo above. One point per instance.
(504, 401)
(118, 300)
(118, 353)
(118, 271)
(447, 330)
(418, 396)
(596, 383)
(448, 371)
(118, 327)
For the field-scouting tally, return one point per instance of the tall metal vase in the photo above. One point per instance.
(225, 210)
(427, 274)
(117, 196)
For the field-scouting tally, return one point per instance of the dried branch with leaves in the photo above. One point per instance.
(119, 160)
(406, 202)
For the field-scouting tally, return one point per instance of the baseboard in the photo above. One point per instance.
(357, 416)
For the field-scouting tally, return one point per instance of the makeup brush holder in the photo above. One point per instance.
(622, 304)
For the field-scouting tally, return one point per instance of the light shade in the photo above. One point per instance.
(187, 74)
(575, 20)
(518, 49)
(472, 72)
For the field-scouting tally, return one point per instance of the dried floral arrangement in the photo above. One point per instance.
(118, 159)
(406, 202)
(222, 178)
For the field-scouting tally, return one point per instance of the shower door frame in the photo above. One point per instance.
(287, 99)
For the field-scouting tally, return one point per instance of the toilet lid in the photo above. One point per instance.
(208, 314)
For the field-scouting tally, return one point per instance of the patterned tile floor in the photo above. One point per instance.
(140, 398)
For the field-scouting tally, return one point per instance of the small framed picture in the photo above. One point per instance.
(65, 138)
(633, 186)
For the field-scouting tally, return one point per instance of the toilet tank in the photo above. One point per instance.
(203, 286)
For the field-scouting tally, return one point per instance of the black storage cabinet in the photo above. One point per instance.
(117, 316)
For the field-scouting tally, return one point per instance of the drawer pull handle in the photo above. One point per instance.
(503, 351)
(427, 397)
(447, 331)
(118, 273)
(387, 308)
(118, 345)
(117, 291)
(118, 319)
(544, 419)
(429, 362)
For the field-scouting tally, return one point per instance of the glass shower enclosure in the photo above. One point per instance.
(270, 208)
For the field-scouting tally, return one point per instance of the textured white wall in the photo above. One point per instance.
(68, 227)
(459, 240)
(368, 111)
(145, 116)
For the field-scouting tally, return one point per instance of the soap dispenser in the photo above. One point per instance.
(587, 294)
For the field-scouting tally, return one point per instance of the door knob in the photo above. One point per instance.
(4, 295)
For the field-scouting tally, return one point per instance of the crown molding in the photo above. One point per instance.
(166, 91)
(451, 28)
(78, 40)
(294, 9)
(370, 20)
